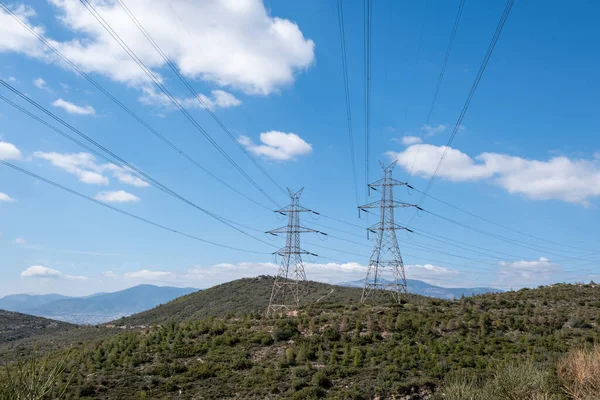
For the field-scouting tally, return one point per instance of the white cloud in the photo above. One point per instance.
(4, 198)
(40, 83)
(109, 274)
(410, 140)
(147, 275)
(119, 196)
(205, 276)
(38, 271)
(85, 167)
(240, 44)
(277, 145)
(20, 241)
(559, 178)
(219, 99)
(73, 108)
(534, 272)
(429, 130)
(12, 79)
(9, 151)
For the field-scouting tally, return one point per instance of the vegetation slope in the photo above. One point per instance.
(495, 346)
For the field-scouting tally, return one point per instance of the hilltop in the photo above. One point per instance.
(242, 295)
(339, 349)
(15, 326)
(415, 286)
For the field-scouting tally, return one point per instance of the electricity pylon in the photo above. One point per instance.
(386, 269)
(286, 292)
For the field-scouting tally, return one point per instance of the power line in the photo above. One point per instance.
(482, 68)
(147, 221)
(128, 110)
(439, 82)
(347, 95)
(367, 67)
(122, 161)
(194, 93)
(177, 104)
(501, 225)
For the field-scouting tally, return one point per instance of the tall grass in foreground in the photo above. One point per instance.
(33, 379)
(579, 372)
(509, 382)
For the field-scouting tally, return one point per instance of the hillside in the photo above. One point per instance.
(15, 326)
(421, 288)
(242, 295)
(94, 309)
(347, 351)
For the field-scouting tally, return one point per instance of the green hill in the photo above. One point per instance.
(341, 349)
(15, 326)
(242, 295)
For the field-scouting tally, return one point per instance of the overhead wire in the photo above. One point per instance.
(340, 9)
(136, 117)
(480, 73)
(195, 93)
(439, 83)
(172, 98)
(123, 163)
(123, 212)
(367, 71)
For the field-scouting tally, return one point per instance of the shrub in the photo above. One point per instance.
(285, 329)
(579, 372)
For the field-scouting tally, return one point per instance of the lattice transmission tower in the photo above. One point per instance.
(385, 273)
(286, 292)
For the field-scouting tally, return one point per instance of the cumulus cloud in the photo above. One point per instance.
(429, 130)
(241, 45)
(559, 178)
(4, 198)
(410, 140)
(73, 108)
(527, 272)
(9, 151)
(205, 276)
(147, 275)
(20, 241)
(40, 83)
(277, 145)
(85, 167)
(39, 271)
(218, 99)
(119, 196)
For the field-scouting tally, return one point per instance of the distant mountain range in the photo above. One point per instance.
(425, 289)
(96, 308)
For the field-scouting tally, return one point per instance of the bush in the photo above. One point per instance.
(285, 329)
(579, 372)
(33, 379)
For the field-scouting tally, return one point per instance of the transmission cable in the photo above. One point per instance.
(347, 96)
(128, 110)
(194, 93)
(458, 124)
(122, 161)
(174, 100)
(147, 221)
(367, 71)
(439, 83)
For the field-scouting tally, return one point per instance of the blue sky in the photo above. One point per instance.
(526, 156)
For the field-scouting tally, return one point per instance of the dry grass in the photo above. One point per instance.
(579, 372)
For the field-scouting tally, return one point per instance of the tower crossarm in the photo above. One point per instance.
(380, 227)
(297, 229)
(387, 182)
(386, 204)
(286, 252)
